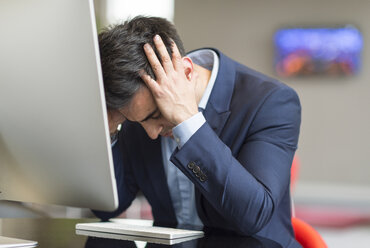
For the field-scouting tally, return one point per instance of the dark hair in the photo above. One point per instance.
(122, 55)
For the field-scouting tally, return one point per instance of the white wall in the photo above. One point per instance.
(117, 11)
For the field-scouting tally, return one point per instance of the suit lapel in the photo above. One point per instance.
(217, 110)
(216, 120)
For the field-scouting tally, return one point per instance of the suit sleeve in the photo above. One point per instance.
(246, 184)
(126, 184)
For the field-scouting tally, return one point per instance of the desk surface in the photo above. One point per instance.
(62, 233)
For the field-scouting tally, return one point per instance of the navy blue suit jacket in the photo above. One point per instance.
(244, 152)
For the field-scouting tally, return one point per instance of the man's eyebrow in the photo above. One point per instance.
(149, 115)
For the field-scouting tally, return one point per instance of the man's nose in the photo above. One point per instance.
(153, 130)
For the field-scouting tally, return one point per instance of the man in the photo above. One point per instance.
(208, 141)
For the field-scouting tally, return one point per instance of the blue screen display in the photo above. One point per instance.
(311, 51)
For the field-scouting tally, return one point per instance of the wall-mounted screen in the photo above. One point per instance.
(317, 51)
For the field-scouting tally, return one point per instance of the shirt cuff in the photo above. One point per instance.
(183, 131)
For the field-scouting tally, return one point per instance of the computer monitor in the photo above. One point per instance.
(54, 139)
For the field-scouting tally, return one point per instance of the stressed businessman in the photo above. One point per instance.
(207, 140)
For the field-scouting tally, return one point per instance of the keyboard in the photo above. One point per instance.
(138, 230)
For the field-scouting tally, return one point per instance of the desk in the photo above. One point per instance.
(61, 233)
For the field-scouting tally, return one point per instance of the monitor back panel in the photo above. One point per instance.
(54, 140)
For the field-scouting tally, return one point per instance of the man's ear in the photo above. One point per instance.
(188, 67)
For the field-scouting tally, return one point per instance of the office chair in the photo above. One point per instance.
(306, 235)
(294, 171)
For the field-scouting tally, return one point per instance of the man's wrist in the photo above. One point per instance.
(184, 117)
(183, 132)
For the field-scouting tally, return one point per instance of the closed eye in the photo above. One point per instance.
(156, 116)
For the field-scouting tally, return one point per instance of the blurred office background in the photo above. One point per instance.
(332, 191)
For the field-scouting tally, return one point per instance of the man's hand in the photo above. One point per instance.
(174, 89)
(115, 118)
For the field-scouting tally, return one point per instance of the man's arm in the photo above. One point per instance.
(246, 187)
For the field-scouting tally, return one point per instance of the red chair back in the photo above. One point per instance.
(306, 235)
(294, 171)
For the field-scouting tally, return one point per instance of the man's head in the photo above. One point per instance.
(123, 57)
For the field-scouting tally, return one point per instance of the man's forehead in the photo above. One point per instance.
(141, 104)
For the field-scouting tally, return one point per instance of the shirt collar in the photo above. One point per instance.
(208, 59)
